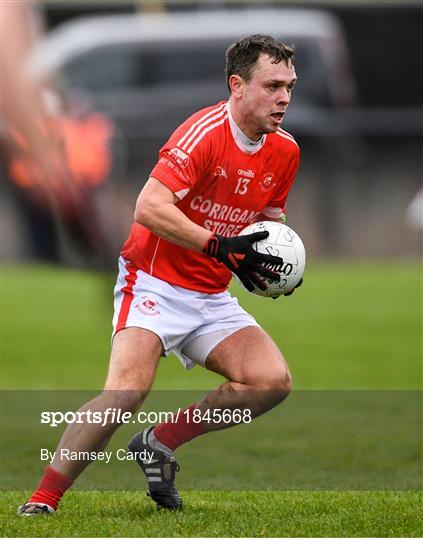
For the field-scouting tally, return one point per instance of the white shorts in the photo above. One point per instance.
(189, 323)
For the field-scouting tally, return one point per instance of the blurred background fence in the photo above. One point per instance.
(123, 75)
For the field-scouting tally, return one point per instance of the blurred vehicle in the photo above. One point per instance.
(146, 73)
(149, 72)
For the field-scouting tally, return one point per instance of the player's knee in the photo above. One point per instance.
(282, 384)
(277, 383)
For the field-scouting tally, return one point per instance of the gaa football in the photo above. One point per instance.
(285, 243)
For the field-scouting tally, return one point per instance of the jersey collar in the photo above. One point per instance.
(243, 142)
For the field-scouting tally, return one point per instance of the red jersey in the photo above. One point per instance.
(223, 182)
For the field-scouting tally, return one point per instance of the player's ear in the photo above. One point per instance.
(236, 84)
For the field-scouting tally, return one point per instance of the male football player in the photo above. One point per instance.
(224, 168)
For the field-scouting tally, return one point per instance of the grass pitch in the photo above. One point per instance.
(351, 326)
(223, 514)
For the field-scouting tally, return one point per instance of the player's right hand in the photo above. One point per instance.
(238, 254)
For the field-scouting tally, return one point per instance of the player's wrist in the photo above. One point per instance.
(212, 245)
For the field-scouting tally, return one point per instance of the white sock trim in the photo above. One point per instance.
(157, 445)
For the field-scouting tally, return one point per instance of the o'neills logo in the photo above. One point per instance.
(247, 174)
(267, 182)
(180, 157)
(286, 268)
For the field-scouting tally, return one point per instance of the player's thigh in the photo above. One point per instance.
(133, 361)
(251, 357)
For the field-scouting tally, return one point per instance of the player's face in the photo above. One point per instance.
(264, 99)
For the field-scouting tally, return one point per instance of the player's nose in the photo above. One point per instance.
(284, 96)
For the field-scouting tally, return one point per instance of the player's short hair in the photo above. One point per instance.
(242, 55)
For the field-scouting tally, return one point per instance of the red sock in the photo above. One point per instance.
(51, 488)
(173, 434)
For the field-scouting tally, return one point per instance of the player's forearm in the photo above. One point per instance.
(168, 222)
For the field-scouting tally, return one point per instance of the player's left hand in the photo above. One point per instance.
(239, 256)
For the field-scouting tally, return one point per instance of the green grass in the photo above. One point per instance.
(351, 326)
(253, 514)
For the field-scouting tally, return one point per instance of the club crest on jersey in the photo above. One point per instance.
(267, 182)
(180, 157)
(148, 306)
(220, 171)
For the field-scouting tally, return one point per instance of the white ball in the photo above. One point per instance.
(282, 242)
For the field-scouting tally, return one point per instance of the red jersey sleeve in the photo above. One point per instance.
(277, 207)
(182, 161)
